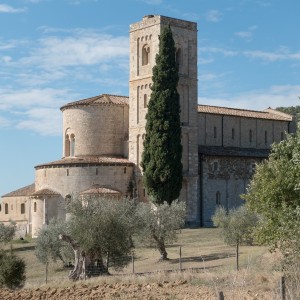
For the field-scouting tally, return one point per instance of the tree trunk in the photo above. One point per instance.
(161, 247)
(46, 272)
(237, 256)
(84, 266)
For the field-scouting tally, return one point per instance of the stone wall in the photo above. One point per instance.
(75, 179)
(230, 131)
(223, 180)
(98, 129)
(16, 209)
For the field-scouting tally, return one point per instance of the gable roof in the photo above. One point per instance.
(268, 114)
(44, 192)
(97, 100)
(24, 191)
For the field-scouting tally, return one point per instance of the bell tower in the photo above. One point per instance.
(144, 45)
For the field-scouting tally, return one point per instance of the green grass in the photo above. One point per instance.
(205, 259)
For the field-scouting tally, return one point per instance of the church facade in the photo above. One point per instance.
(103, 141)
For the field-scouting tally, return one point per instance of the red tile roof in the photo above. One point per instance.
(98, 190)
(269, 114)
(44, 192)
(100, 99)
(87, 160)
(24, 191)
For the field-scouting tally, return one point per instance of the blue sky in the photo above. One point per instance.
(56, 51)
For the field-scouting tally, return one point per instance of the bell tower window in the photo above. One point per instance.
(145, 55)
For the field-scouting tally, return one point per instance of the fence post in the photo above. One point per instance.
(132, 260)
(221, 296)
(180, 261)
(282, 288)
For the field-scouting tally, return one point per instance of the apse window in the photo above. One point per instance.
(23, 208)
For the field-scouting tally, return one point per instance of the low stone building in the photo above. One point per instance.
(103, 141)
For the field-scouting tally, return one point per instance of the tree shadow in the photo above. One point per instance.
(203, 258)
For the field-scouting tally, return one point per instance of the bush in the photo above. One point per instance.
(12, 271)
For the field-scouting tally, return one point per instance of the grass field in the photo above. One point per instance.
(206, 260)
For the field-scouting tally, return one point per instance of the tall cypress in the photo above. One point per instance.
(161, 160)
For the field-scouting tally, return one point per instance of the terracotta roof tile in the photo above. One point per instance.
(100, 99)
(98, 190)
(87, 160)
(269, 114)
(44, 192)
(24, 191)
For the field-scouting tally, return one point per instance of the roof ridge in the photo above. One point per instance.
(233, 108)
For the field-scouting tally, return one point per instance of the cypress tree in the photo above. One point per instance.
(161, 160)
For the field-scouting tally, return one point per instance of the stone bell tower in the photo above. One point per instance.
(144, 45)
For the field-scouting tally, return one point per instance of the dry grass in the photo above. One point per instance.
(206, 261)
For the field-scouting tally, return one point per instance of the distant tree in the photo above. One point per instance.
(7, 232)
(100, 233)
(161, 224)
(12, 270)
(291, 110)
(237, 226)
(161, 159)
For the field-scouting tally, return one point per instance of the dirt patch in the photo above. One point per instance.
(164, 290)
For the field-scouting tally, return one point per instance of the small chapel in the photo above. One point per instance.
(103, 141)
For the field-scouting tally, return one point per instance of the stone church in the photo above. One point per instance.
(103, 141)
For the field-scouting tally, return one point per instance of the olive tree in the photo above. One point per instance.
(160, 224)
(99, 231)
(237, 226)
(7, 232)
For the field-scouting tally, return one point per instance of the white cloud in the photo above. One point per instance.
(153, 2)
(248, 34)
(4, 8)
(213, 16)
(281, 54)
(275, 96)
(82, 49)
(45, 121)
(216, 50)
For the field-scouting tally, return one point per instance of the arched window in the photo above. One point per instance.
(266, 137)
(178, 56)
(22, 208)
(0, 207)
(232, 133)
(6, 208)
(145, 100)
(72, 143)
(34, 207)
(125, 170)
(282, 136)
(215, 132)
(250, 136)
(145, 55)
(67, 145)
(218, 198)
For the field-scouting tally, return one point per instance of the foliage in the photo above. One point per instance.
(12, 271)
(103, 227)
(274, 192)
(48, 246)
(161, 160)
(161, 224)
(7, 232)
(237, 226)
